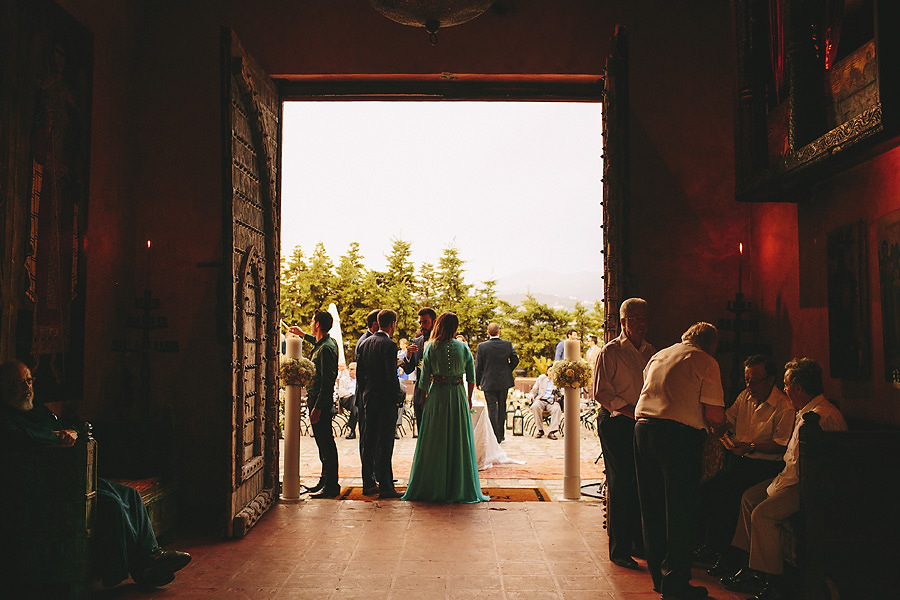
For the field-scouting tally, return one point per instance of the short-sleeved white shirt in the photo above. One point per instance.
(769, 421)
(831, 419)
(678, 381)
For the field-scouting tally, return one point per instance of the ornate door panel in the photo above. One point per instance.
(616, 189)
(252, 113)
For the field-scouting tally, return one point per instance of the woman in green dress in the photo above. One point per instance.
(444, 467)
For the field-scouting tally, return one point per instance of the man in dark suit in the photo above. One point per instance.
(376, 377)
(413, 358)
(368, 464)
(495, 360)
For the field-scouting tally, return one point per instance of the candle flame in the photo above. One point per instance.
(740, 247)
(148, 244)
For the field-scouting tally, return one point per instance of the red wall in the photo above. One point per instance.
(790, 275)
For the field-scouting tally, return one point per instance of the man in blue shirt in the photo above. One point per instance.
(571, 334)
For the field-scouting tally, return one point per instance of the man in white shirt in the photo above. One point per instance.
(768, 504)
(760, 423)
(618, 379)
(682, 397)
(542, 399)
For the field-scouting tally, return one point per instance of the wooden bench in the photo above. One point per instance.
(849, 517)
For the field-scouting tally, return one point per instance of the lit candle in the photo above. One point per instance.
(148, 265)
(740, 265)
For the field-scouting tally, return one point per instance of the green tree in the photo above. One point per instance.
(351, 296)
(294, 288)
(536, 328)
(399, 287)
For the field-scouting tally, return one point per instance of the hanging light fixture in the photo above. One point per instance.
(431, 14)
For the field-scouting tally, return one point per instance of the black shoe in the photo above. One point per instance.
(386, 494)
(626, 563)
(159, 567)
(723, 568)
(316, 488)
(705, 557)
(351, 436)
(552, 436)
(370, 491)
(540, 434)
(690, 592)
(771, 591)
(326, 493)
(746, 581)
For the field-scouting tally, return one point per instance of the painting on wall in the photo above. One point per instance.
(848, 315)
(48, 58)
(889, 277)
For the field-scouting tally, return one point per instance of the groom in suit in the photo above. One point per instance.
(376, 378)
(494, 364)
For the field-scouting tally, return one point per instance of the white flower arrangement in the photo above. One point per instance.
(296, 371)
(571, 374)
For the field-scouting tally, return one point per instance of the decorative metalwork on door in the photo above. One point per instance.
(252, 131)
(616, 190)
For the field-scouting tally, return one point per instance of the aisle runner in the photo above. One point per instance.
(497, 494)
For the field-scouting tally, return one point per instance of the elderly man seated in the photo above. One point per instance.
(768, 504)
(124, 537)
(543, 399)
(759, 427)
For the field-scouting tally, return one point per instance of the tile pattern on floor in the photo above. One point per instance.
(392, 550)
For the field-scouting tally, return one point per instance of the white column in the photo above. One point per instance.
(290, 491)
(572, 473)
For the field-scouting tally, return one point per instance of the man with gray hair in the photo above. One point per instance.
(618, 379)
(495, 360)
(765, 506)
(682, 397)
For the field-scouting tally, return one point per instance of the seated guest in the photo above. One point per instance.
(346, 391)
(123, 535)
(768, 504)
(759, 425)
(542, 399)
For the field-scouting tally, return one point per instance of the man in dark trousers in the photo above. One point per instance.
(495, 360)
(413, 358)
(681, 398)
(376, 377)
(320, 401)
(618, 379)
(368, 468)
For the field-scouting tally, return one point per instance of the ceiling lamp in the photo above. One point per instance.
(431, 14)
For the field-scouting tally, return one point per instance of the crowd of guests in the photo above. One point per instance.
(658, 409)
(373, 390)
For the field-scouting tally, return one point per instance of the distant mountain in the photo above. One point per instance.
(554, 289)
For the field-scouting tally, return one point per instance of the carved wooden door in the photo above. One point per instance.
(251, 139)
(616, 188)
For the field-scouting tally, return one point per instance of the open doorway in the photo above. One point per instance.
(511, 191)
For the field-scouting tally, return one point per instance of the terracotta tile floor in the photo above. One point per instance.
(321, 549)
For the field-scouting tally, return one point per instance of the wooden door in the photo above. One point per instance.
(616, 188)
(251, 140)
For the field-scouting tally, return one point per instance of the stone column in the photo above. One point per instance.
(290, 491)
(572, 473)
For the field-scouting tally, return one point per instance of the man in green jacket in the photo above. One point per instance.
(320, 401)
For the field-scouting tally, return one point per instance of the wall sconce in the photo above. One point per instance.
(431, 14)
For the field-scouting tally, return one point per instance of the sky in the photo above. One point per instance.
(514, 186)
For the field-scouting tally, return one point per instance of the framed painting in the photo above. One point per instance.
(889, 278)
(47, 58)
(848, 315)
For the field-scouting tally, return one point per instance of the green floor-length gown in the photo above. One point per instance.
(444, 468)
